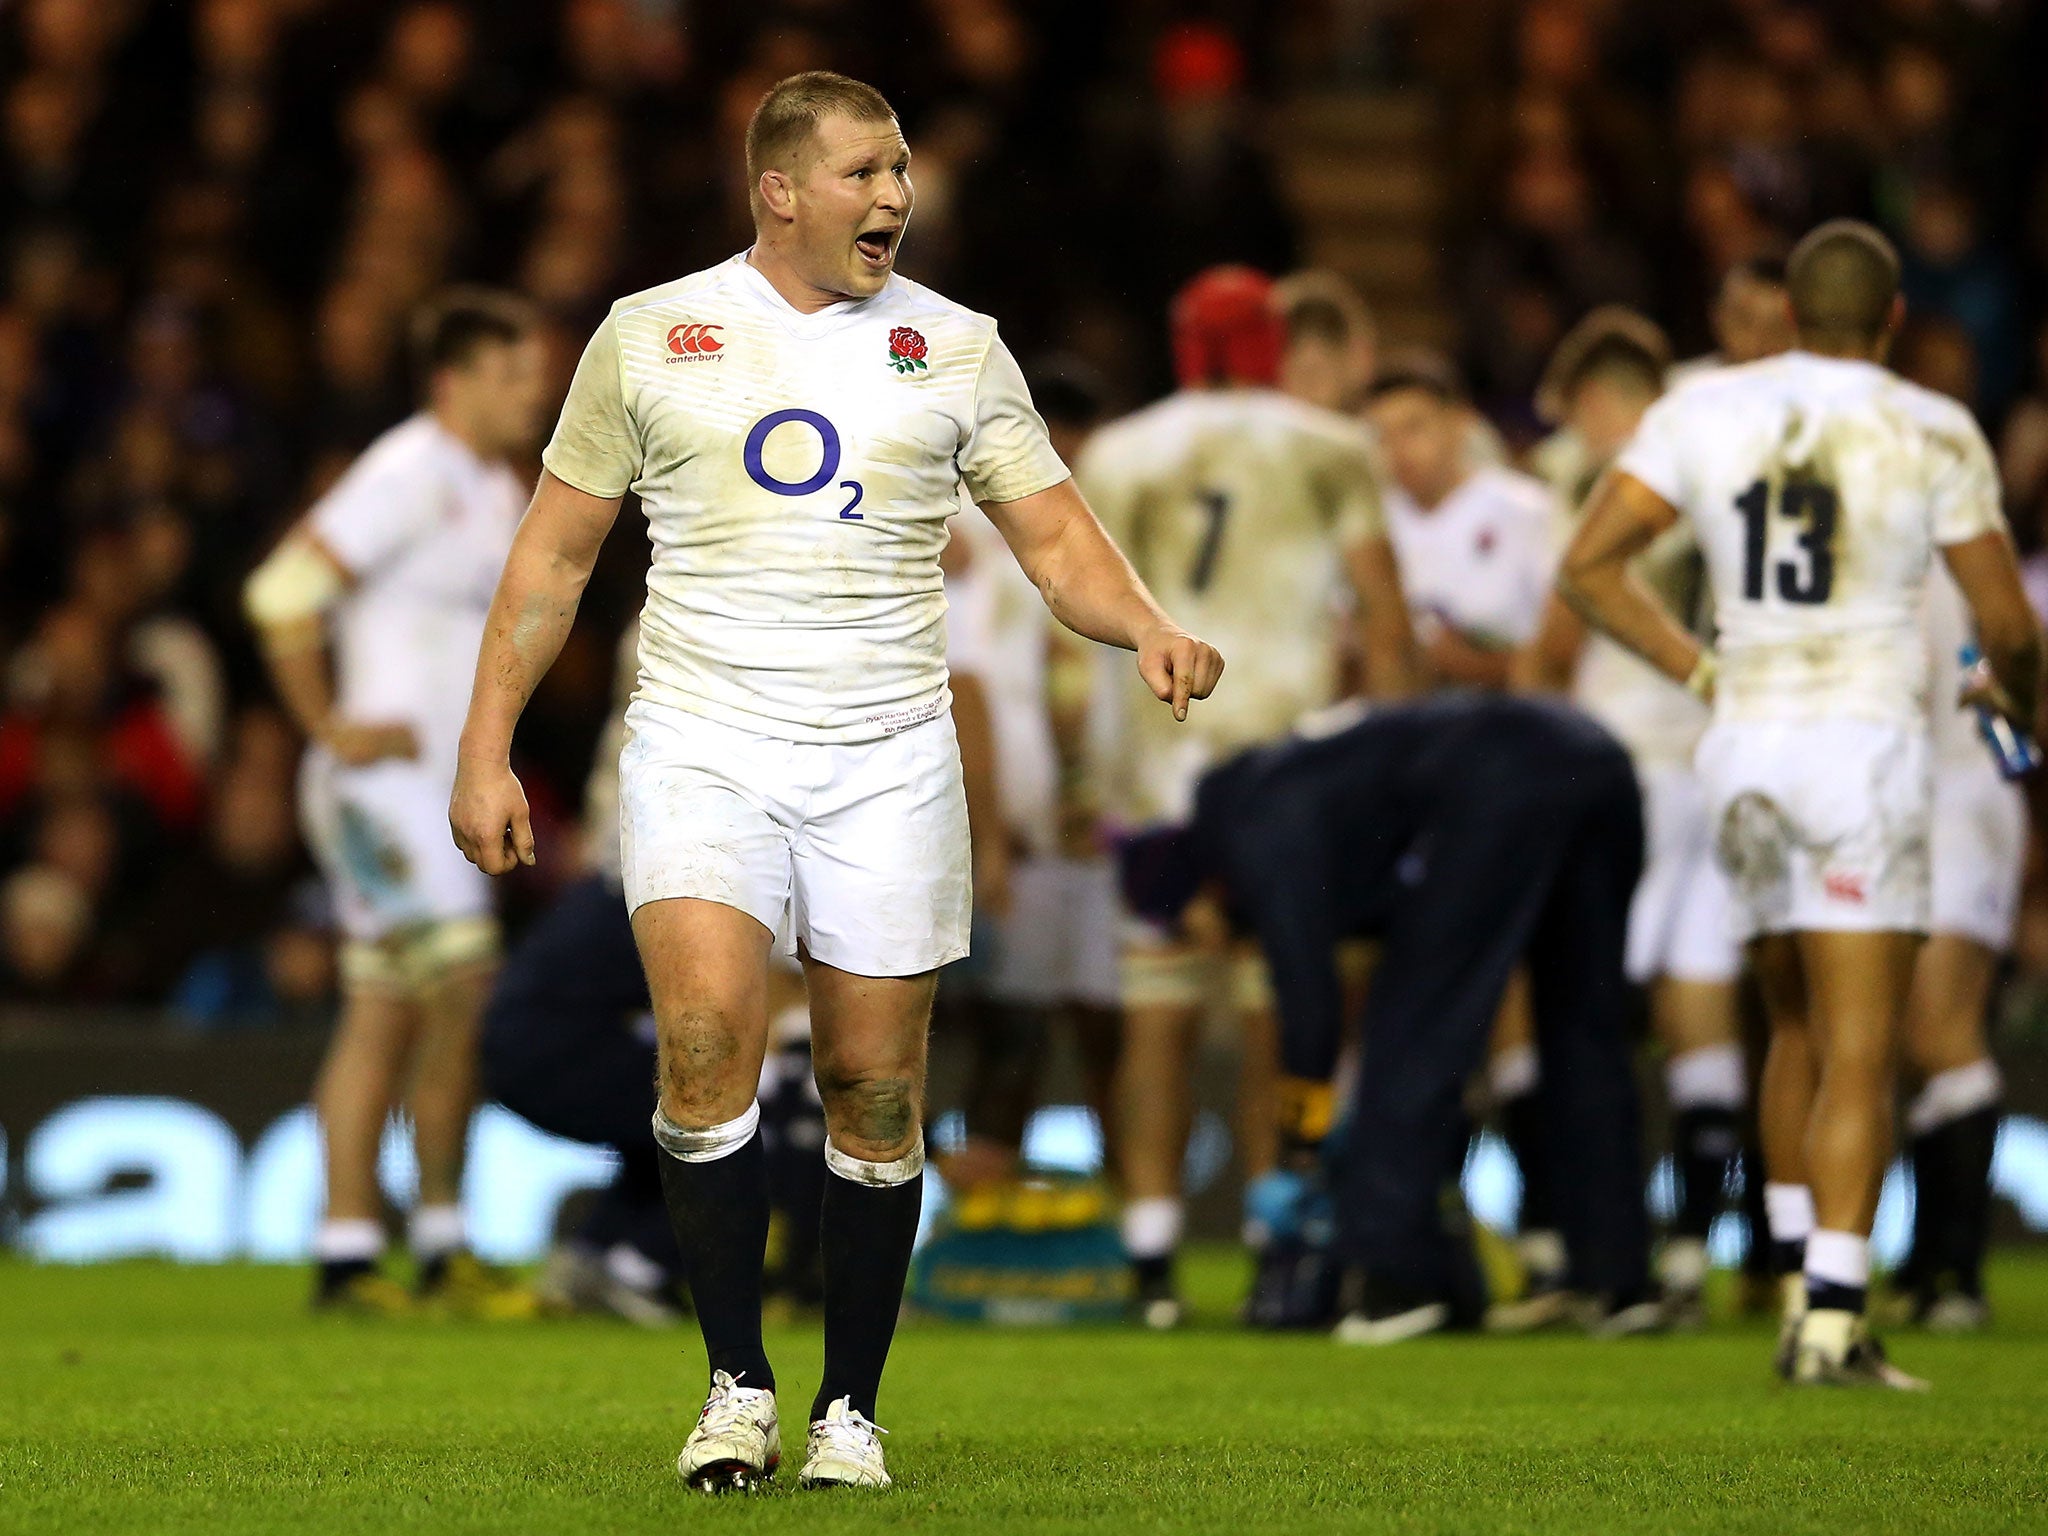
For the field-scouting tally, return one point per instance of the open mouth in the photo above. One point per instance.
(876, 246)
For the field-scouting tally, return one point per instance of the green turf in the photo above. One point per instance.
(141, 1398)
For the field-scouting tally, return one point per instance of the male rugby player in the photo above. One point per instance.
(367, 612)
(1978, 852)
(796, 421)
(1606, 373)
(1819, 485)
(1253, 513)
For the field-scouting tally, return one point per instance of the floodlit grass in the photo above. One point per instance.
(144, 1398)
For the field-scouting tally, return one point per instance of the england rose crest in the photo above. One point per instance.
(906, 350)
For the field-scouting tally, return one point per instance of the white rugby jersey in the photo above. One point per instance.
(797, 472)
(423, 526)
(1236, 506)
(1949, 629)
(1818, 489)
(999, 629)
(1481, 560)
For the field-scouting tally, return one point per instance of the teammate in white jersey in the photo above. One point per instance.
(1978, 853)
(388, 578)
(1474, 541)
(796, 422)
(1681, 943)
(1252, 513)
(1819, 486)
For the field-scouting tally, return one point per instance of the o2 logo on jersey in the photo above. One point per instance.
(828, 459)
(694, 342)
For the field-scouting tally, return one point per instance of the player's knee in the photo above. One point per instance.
(873, 1116)
(703, 1069)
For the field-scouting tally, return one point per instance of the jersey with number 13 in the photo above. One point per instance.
(797, 471)
(1819, 489)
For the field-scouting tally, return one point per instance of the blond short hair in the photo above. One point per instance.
(787, 119)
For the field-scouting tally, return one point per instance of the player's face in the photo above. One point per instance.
(1422, 441)
(503, 391)
(1751, 320)
(851, 205)
(1322, 372)
(1603, 413)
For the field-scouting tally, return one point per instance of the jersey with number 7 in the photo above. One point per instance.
(796, 471)
(1237, 507)
(1819, 489)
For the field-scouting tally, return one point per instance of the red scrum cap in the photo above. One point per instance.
(1226, 329)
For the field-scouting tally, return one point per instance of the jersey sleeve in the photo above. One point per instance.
(1965, 497)
(383, 504)
(1655, 455)
(1007, 455)
(596, 447)
(1357, 514)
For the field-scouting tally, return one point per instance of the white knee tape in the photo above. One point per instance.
(881, 1175)
(417, 957)
(1953, 1094)
(1710, 1077)
(709, 1144)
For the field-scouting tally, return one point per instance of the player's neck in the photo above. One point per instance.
(798, 292)
(1844, 349)
(1430, 497)
(464, 432)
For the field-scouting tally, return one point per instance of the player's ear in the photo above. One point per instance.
(778, 193)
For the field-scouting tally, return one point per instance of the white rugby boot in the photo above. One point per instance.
(1837, 1349)
(737, 1442)
(844, 1451)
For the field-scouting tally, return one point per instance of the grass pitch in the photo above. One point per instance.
(144, 1398)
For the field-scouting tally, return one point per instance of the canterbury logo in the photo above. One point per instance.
(695, 340)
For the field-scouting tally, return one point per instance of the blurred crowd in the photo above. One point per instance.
(216, 216)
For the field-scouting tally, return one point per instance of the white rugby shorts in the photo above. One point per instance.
(1058, 942)
(858, 853)
(1681, 923)
(380, 836)
(1979, 851)
(1821, 825)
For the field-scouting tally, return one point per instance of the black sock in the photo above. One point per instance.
(1826, 1296)
(1788, 1255)
(1522, 1127)
(1154, 1274)
(1756, 1254)
(867, 1232)
(1703, 1140)
(1919, 1271)
(719, 1211)
(1966, 1231)
(335, 1274)
(433, 1271)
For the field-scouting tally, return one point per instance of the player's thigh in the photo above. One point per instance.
(882, 883)
(1952, 981)
(1035, 955)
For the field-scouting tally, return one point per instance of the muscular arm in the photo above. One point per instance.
(551, 560)
(1547, 663)
(2007, 632)
(1091, 588)
(288, 598)
(1622, 518)
(1386, 639)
